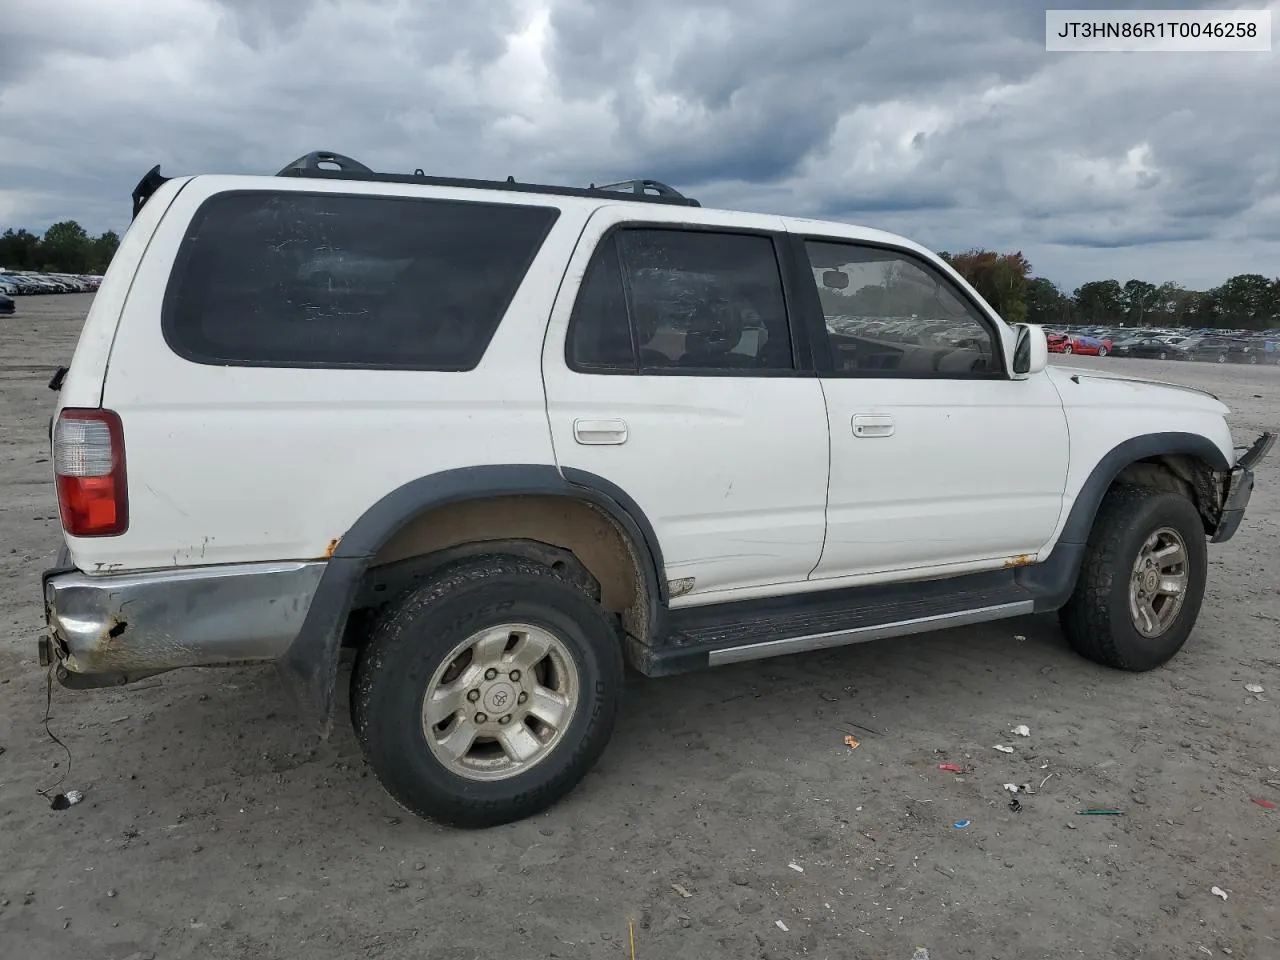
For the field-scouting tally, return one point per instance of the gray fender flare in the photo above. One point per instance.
(1054, 580)
(310, 665)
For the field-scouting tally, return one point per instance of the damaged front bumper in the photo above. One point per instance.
(1240, 488)
(116, 628)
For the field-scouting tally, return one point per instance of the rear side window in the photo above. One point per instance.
(267, 278)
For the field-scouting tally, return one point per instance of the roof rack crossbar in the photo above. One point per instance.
(641, 188)
(313, 160)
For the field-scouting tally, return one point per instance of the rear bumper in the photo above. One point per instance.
(1240, 489)
(115, 628)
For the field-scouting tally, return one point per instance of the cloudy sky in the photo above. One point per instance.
(945, 120)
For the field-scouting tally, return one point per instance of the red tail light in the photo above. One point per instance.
(88, 464)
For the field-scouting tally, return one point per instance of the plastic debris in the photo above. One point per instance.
(780, 925)
(1265, 804)
(62, 801)
(1253, 687)
(920, 954)
(1022, 730)
(1218, 892)
(1011, 787)
(681, 890)
(1015, 805)
(852, 742)
(1100, 813)
(961, 824)
(796, 867)
(1002, 748)
(951, 767)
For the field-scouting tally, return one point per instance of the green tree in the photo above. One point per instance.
(101, 250)
(1046, 304)
(1100, 301)
(1166, 304)
(1138, 298)
(1002, 279)
(65, 248)
(1247, 302)
(19, 250)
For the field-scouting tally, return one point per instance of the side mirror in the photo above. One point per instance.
(1030, 351)
(835, 279)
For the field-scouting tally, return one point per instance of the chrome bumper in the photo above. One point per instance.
(115, 628)
(1240, 488)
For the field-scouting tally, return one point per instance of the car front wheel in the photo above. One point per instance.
(1141, 581)
(1102, 351)
(1067, 348)
(487, 694)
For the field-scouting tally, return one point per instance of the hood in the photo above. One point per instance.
(1069, 372)
(1082, 387)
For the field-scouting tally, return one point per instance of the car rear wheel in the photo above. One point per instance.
(1066, 348)
(488, 693)
(1163, 355)
(1141, 582)
(1102, 351)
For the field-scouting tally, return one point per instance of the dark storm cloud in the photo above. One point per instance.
(946, 121)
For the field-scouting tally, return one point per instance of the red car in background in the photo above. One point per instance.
(1077, 343)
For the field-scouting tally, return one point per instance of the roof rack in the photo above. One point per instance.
(325, 164)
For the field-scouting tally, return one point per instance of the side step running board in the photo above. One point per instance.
(839, 638)
(717, 634)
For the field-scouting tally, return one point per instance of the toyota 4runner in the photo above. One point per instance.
(505, 440)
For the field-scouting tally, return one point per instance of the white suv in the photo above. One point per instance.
(504, 440)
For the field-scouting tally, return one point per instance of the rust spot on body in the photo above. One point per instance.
(1021, 560)
(333, 545)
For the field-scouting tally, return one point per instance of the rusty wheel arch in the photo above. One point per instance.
(399, 527)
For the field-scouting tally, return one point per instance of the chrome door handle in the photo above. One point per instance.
(594, 432)
(872, 425)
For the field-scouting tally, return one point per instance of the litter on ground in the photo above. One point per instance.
(1022, 730)
(1002, 748)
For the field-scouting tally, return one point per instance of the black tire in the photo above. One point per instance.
(409, 643)
(1096, 620)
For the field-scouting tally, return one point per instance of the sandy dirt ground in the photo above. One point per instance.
(727, 819)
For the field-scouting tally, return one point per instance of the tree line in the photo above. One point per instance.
(1247, 301)
(66, 247)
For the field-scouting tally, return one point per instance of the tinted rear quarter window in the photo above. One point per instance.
(284, 278)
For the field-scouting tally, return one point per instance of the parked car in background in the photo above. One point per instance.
(6, 306)
(1244, 350)
(1151, 348)
(29, 282)
(1079, 343)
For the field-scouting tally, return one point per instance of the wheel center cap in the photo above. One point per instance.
(1151, 581)
(499, 698)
